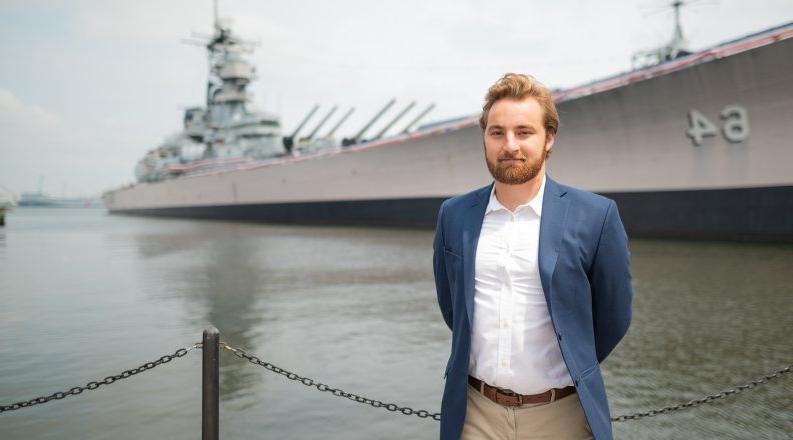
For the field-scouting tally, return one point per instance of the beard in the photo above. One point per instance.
(517, 174)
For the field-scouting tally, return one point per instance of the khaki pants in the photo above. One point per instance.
(558, 420)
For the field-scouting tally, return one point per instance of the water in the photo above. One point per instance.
(85, 295)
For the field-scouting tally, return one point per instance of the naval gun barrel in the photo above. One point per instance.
(379, 114)
(395, 120)
(322, 122)
(289, 141)
(341, 121)
(418, 118)
(305, 120)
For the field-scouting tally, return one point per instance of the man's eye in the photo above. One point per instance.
(524, 133)
(495, 133)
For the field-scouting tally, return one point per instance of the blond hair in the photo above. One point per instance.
(519, 86)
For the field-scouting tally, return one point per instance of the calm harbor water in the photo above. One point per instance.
(85, 295)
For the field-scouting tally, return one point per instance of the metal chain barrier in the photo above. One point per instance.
(707, 399)
(424, 414)
(328, 389)
(96, 384)
(437, 416)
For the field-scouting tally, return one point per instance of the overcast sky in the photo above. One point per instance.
(87, 87)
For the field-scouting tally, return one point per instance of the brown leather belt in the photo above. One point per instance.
(511, 398)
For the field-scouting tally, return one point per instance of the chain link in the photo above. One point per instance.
(96, 384)
(424, 414)
(706, 399)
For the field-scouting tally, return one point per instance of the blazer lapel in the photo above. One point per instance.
(554, 214)
(472, 226)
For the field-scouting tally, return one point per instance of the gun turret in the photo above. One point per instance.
(341, 121)
(321, 123)
(289, 141)
(357, 137)
(395, 120)
(418, 118)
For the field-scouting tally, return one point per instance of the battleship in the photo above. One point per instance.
(690, 144)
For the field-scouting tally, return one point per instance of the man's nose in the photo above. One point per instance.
(510, 143)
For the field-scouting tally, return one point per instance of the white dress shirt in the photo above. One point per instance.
(513, 343)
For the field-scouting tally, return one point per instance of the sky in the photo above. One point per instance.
(87, 87)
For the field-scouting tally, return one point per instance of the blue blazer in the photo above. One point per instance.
(585, 275)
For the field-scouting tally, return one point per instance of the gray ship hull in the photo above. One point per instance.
(752, 214)
(628, 141)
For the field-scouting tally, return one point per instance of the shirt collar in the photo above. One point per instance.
(535, 204)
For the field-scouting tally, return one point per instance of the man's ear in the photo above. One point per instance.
(549, 139)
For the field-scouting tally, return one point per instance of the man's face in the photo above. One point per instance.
(515, 140)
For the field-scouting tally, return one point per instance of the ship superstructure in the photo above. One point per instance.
(226, 130)
(226, 133)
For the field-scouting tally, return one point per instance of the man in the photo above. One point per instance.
(533, 280)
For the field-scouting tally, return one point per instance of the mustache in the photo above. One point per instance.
(511, 157)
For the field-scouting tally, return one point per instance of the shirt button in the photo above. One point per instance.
(503, 363)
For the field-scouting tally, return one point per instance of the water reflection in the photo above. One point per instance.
(347, 305)
(220, 282)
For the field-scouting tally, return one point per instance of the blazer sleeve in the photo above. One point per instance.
(442, 288)
(611, 285)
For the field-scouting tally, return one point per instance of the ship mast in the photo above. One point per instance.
(678, 42)
(229, 75)
(675, 48)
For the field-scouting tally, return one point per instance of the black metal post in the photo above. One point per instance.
(210, 401)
